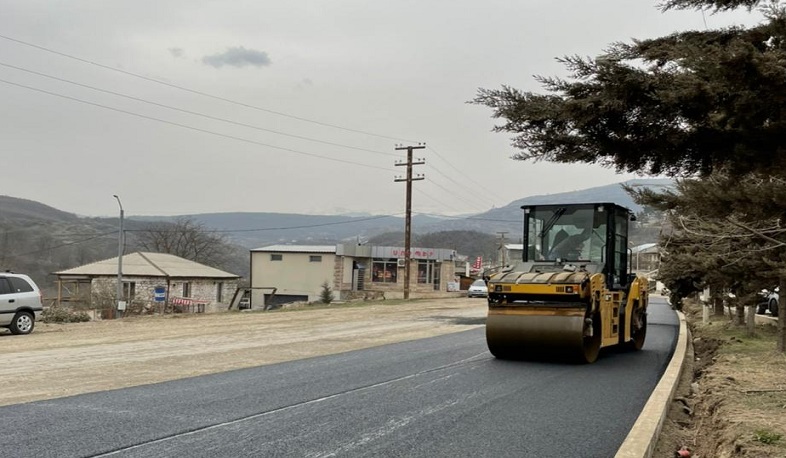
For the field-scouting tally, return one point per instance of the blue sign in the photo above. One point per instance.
(159, 294)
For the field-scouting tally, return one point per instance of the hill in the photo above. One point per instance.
(254, 230)
(510, 218)
(39, 239)
(15, 209)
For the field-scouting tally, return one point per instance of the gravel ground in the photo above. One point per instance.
(67, 359)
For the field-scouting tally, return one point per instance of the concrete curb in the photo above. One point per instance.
(643, 437)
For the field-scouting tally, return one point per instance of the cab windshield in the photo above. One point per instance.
(566, 234)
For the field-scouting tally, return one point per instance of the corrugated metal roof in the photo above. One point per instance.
(643, 248)
(298, 249)
(149, 265)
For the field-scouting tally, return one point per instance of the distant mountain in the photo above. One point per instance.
(38, 239)
(254, 230)
(510, 219)
(13, 208)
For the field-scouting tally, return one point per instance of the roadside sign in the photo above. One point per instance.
(159, 294)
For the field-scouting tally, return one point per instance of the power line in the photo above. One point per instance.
(195, 113)
(428, 196)
(435, 183)
(63, 245)
(307, 226)
(184, 126)
(204, 94)
(491, 193)
(472, 218)
(215, 118)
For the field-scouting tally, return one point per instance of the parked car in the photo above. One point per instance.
(21, 303)
(478, 289)
(770, 302)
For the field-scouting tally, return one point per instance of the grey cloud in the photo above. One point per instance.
(238, 57)
(176, 52)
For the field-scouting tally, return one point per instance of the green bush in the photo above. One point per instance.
(64, 315)
(326, 295)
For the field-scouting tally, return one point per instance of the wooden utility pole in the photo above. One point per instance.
(408, 224)
(502, 246)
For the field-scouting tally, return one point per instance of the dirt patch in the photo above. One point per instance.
(731, 401)
(67, 359)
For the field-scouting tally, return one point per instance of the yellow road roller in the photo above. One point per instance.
(571, 294)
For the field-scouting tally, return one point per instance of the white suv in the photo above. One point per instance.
(21, 303)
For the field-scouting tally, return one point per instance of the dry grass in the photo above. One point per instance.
(734, 405)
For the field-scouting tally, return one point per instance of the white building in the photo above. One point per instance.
(290, 273)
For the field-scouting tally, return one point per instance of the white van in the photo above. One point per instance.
(21, 303)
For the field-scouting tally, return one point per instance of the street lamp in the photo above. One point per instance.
(119, 261)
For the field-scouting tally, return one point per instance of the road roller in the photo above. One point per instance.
(571, 293)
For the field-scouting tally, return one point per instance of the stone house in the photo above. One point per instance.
(187, 285)
(291, 273)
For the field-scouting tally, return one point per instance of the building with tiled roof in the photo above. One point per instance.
(150, 281)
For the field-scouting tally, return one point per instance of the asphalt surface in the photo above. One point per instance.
(442, 396)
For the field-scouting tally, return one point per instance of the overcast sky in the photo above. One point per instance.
(289, 106)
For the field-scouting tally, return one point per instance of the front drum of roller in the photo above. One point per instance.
(540, 334)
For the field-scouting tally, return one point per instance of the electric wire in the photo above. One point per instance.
(62, 245)
(462, 189)
(218, 118)
(210, 116)
(204, 94)
(428, 196)
(195, 113)
(491, 193)
(306, 226)
(197, 129)
(202, 130)
(442, 188)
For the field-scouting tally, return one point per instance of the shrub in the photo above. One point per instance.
(766, 437)
(326, 295)
(63, 315)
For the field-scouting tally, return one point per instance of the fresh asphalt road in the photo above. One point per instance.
(442, 396)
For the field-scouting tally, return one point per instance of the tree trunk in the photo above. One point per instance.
(739, 317)
(718, 305)
(750, 320)
(781, 337)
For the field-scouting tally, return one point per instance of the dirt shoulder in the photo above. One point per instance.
(66, 359)
(731, 401)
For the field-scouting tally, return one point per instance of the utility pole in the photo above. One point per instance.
(502, 246)
(119, 303)
(408, 224)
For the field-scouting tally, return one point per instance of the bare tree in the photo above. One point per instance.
(185, 238)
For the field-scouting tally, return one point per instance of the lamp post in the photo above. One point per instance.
(119, 260)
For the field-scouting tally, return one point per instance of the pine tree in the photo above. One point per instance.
(705, 105)
(326, 295)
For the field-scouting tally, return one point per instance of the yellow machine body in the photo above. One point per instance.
(545, 308)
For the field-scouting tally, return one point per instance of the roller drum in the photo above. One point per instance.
(541, 334)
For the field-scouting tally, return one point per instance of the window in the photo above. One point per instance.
(219, 291)
(276, 257)
(315, 259)
(186, 289)
(19, 285)
(426, 271)
(129, 290)
(384, 270)
(5, 286)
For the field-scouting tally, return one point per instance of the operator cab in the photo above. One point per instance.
(588, 237)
